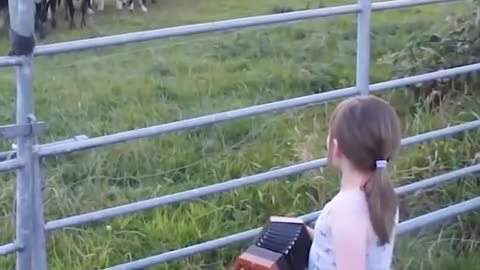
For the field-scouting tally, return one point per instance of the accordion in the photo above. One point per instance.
(284, 244)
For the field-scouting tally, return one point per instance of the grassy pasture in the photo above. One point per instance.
(116, 89)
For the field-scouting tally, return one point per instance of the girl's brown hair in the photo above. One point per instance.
(367, 130)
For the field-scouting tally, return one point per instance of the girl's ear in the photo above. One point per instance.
(336, 151)
(333, 152)
(328, 141)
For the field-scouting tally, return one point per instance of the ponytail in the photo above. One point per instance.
(382, 202)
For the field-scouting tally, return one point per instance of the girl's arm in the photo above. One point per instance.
(349, 230)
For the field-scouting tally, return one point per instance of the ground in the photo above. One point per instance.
(116, 89)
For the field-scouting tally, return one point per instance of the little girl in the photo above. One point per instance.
(355, 230)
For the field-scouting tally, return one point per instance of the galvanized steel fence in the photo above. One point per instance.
(30, 241)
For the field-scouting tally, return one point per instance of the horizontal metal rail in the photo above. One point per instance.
(194, 122)
(12, 164)
(425, 77)
(10, 61)
(422, 185)
(388, 5)
(438, 180)
(444, 132)
(9, 249)
(216, 118)
(229, 185)
(439, 215)
(13, 131)
(121, 39)
(182, 196)
(403, 228)
(6, 155)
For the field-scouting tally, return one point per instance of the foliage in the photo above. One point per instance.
(455, 45)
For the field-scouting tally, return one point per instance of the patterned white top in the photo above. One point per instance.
(322, 255)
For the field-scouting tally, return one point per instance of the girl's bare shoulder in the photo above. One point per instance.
(351, 202)
(351, 198)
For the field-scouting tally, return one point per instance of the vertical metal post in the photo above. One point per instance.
(24, 224)
(363, 47)
(39, 252)
(22, 37)
(22, 17)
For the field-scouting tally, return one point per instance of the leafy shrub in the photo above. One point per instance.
(457, 45)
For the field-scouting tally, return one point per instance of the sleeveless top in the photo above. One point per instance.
(322, 255)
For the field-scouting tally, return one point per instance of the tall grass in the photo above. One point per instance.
(111, 90)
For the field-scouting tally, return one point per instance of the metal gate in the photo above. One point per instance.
(29, 244)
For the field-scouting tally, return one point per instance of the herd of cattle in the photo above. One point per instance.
(45, 11)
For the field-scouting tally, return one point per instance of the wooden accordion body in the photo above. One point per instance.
(284, 244)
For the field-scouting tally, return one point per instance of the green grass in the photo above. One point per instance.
(116, 89)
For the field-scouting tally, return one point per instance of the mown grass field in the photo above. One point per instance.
(116, 89)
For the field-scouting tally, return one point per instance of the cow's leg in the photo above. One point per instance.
(142, 5)
(3, 14)
(38, 19)
(67, 10)
(71, 12)
(119, 4)
(84, 9)
(89, 9)
(53, 9)
(5, 23)
(131, 5)
(100, 5)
